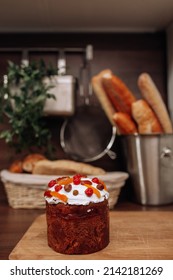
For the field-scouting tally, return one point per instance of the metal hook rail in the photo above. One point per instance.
(46, 49)
(88, 52)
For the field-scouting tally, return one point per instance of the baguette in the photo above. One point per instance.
(145, 118)
(124, 123)
(101, 95)
(151, 94)
(119, 94)
(65, 167)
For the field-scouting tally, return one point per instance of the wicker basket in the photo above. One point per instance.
(26, 191)
(22, 196)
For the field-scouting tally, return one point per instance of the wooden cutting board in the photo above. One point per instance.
(133, 235)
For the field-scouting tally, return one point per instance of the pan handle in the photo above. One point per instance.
(85, 87)
(111, 154)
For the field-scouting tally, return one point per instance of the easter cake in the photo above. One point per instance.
(77, 214)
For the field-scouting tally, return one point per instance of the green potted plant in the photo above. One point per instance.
(22, 99)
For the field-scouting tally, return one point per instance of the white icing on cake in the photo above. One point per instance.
(81, 198)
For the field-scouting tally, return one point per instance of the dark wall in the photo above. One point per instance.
(127, 55)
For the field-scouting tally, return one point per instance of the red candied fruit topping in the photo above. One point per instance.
(89, 191)
(76, 179)
(83, 182)
(51, 183)
(58, 188)
(95, 180)
(47, 193)
(80, 175)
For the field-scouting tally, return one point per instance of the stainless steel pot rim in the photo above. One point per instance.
(151, 135)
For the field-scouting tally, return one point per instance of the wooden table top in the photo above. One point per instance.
(133, 236)
(15, 222)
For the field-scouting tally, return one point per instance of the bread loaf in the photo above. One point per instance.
(30, 160)
(16, 166)
(145, 118)
(124, 123)
(101, 95)
(65, 167)
(119, 94)
(151, 94)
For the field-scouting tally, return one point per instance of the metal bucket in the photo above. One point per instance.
(150, 166)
